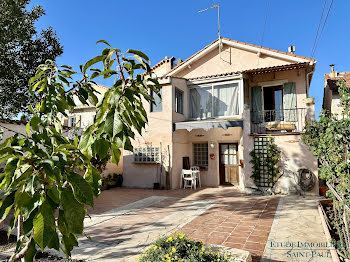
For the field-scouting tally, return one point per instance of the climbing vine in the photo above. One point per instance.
(265, 163)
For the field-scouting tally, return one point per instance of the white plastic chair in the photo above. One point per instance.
(196, 171)
(189, 178)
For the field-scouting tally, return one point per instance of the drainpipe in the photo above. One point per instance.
(307, 79)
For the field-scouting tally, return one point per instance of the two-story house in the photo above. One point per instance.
(219, 105)
(331, 97)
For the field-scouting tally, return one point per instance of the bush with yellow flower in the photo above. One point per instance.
(177, 247)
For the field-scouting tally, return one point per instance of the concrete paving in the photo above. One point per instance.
(297, 233)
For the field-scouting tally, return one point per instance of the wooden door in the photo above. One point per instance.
(228, 162)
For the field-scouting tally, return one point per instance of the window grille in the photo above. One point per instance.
(146, 154)
(200, 155)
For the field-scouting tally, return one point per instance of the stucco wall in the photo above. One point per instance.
(232, 60)
(183, 146)
(297, 75)
(157, 132)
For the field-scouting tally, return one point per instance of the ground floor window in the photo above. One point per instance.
(200, 155)
(146, 154)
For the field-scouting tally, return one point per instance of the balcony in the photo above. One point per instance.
(278, 121)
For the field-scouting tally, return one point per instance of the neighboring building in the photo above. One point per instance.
(219, 105)
(331, 98)
(83, 116)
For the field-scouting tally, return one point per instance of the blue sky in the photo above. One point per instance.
(174, 28)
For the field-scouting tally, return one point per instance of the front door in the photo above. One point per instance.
(228, 163)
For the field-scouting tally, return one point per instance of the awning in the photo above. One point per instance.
(207, 125)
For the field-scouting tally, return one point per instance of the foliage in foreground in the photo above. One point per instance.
(329, 139)
(49, 179)
(179, 248)
(22, 50)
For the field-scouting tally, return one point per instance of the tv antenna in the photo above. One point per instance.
(218, 7)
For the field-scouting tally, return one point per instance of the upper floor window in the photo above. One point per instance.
(72, 121)
(157, 106)
(179, 101)
(216, 100)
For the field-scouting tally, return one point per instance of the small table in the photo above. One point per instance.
(197, 173)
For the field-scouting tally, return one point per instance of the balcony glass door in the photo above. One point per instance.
(273, 103)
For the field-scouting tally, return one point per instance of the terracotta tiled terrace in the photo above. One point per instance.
(230, 218)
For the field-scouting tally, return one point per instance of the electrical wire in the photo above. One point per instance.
(265, 22)
(318, 28)
(324, 23)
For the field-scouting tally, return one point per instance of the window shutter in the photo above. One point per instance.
(257, 104)
(78, 121)
(289, 102)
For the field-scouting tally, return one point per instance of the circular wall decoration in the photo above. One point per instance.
(307, 179)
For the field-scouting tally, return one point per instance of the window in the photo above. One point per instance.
(217, 100)
(146, 154)
(157, 107)
(179, 101)
(72, 121)
(273, 103)
(200, 155)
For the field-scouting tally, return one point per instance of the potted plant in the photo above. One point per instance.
(310, 100)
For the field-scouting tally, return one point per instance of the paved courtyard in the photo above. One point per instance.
(125, 221)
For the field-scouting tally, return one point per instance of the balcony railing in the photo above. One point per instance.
(278, 121)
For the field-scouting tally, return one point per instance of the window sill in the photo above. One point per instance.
(154, 163)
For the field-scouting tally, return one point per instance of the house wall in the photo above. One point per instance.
(335, 106)
(232, 60)
(297, 75)
(157, 132)
(183, 146)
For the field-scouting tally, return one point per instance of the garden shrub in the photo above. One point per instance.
(112, 180)
(179, 248)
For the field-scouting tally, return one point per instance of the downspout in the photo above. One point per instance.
(307, 78)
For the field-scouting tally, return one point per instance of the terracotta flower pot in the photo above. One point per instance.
(323, 191)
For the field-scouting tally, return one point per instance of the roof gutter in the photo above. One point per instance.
(308, 78)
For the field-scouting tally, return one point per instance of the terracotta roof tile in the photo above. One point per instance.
(332, 81)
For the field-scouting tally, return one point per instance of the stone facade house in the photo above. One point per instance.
(219, 105)
(331, 95)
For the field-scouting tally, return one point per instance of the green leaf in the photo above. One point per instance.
(35, 121)
(28, 224)
(115, 154)
(117, 124)
(69, 241)
(6, 205)
(74, 212)
(61, 222)
(139, 53)
(103, 41)
(64, 80)
(100, 148)
(27, 203)
(85, 140)
(44, 225)
(92, 62)
(81, 189)
(31, 252)
(28, 128)
(54, 194)
(93, 177)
